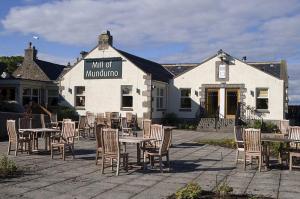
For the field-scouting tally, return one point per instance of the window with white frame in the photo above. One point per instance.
(160, 98)
(52, 97)
(30, 94)
(127, 97)
(79, 96)
(262, 98)
(185, 98)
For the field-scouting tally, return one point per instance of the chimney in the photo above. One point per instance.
(30, 53)
(244, 59)
(105, 40)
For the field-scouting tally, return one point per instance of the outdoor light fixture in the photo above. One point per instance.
(138, 91)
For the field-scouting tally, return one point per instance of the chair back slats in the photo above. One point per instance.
(110, 141)
(82, 121)
(11, 130)
(252, 140)
(53, 117)
(90, 118)
(166, 142)
(147, 128)
(157, 132)
(108, 118)
(238, 136)
(99, 128)
(115, 115)
(68, 131)
(294, 134)
(124, 122)
(129, 117)
(25, 123)
(100, 119)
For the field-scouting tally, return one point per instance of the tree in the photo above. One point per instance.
(11, 63)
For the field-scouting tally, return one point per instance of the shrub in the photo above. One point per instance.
(170, 119)
(266, 127)
(224, 189)
(66, 112)
(190, 191)
(7, 167)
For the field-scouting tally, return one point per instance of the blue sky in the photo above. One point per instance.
(171, 31)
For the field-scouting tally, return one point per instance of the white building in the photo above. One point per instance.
(108, 79)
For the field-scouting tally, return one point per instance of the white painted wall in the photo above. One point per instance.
(103, 95)
(239, 73)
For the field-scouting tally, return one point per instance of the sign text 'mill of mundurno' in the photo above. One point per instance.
(103, 68)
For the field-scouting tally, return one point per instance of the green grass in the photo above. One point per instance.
(7, 167)
(228, 143)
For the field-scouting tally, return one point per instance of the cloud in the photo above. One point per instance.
(261, 30)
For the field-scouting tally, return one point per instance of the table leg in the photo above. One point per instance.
(138, 155)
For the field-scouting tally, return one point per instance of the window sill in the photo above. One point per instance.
(79, 108)
(126, 109)
(185, 110)
(262, 111)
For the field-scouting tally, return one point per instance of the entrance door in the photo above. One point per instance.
(212, 102)
(232, 99)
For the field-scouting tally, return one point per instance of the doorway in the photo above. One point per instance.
(232, 98)
(212, 102)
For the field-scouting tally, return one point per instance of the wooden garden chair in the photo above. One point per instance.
(128, 118)
(66, 140)
(108, 119)
(90, 123)
(252, 146)
(238, 137)
(81, 130)
(160, 152)
(18, 139)
(111, 150)
(99, 128)
(100, 119)
(115, 120)
(146, 128)
(294, 133)
(54, 121)
(157, 134)
(126, 131)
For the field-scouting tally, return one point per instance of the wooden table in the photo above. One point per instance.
(138, 141)
(268, 140)
(48, 132)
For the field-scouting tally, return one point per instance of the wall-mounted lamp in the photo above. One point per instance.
(70, 90)
(196, 93)
(252, 93)
(138, 91)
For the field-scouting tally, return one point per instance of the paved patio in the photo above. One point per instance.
(205, 164)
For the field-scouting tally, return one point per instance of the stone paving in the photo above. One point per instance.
(205, 164)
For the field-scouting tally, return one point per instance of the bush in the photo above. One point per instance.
(266, 127)
(224, 189)
(170, 119)
(11, 106)
(66, 112)
(7, 167)
(190, 191)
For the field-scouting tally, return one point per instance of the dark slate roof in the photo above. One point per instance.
(52, 70)
(272, 68)
(157, 71)
(178, 69)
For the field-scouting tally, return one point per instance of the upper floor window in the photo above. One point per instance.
(127, 97)
(160, 98)
(185, 100)
(262, 98)
(30, 94)
(80, 96)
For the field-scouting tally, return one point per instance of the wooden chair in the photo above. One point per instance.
(115, 120)
(108, 119)
(18, 139)
(99, 128)
(252, 146)
(238, 137)
(157, 134)
(146, 128)
(66, 139)
(294, 133)
(111, 150)
(100, 119)
(53, 120)
(81, 130)
(128, 118)
(161, 151)
(90, 123)
(125, 130)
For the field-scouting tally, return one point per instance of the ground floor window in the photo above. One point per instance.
(160, 98)
(53, 97)
(127, 97)
(185, 98)
(7, 94)
(31, 94)
(79, 96)
(262, 98)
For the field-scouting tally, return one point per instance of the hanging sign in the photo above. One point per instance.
(103, 68)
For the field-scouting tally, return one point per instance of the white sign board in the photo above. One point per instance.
(222, 71)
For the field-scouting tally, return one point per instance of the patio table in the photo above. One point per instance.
(266, 143)
(48, 132)
(138, 141)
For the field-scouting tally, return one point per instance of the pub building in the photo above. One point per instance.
(107, 79)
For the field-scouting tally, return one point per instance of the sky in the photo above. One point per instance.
(172, 31)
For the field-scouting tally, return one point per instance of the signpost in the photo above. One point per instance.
(103, 68)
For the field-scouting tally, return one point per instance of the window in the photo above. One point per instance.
(160, 98)
(127, 98)
(80, 96)
(185, 100)
(262, 99)
(52, 97)
(30, 94)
